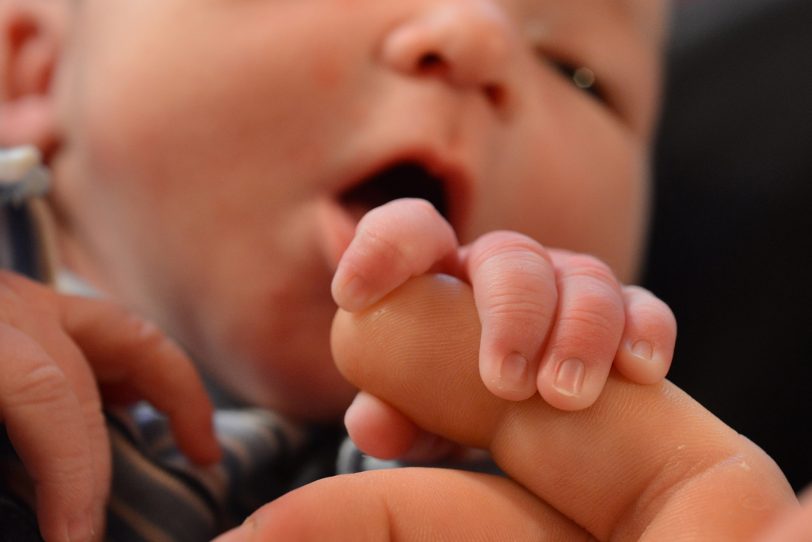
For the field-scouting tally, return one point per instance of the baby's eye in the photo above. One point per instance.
(582, 77)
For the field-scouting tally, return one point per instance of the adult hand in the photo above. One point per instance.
(643, 463)
(57, 353)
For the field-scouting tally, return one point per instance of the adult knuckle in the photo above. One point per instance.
(142, 334)
(42, 384)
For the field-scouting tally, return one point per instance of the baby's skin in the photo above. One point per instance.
(547, 306)
(643, 463)
(552, 321)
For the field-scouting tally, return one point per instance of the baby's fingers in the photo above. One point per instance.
(382, 431)
(647, 346)
(392, 243)
(128, 353)
(515, 292)
(46, 424)
(585, 338)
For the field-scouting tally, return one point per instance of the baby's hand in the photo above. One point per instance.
(57, 353)
(644, 463)
(552, 320)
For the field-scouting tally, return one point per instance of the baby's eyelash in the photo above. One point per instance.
(582, 77)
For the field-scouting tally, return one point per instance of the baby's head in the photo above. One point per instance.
(210, 156)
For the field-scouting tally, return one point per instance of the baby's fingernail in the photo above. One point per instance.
(569, 378)
(350, 291)
(643, 349)
(80, 528)
(513, 372)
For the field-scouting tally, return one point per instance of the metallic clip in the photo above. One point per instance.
(22, 175)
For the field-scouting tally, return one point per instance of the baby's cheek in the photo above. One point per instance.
(287, 369)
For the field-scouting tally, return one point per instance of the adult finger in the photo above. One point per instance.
(585, 337)
(393, 242)
(125, 351)
(408, 505)
(46, 424)
(647, 346)
(516, 295)
(644, 462)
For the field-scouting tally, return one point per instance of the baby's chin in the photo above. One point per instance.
(319, 394)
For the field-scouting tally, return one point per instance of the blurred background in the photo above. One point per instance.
(730, 247)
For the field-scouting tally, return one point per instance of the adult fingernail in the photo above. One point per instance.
(513, 371)
(80, 528)
(643, 349)
(569, 378)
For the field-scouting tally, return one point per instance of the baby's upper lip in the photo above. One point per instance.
(456, 179)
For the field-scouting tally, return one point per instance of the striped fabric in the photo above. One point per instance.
(157, 495)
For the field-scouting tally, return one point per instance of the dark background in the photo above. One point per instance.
(730, 247)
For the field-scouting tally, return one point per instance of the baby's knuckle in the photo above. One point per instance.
(589, 267)
(506, 245)
(598, 320)
(383, 248)
(518, 309)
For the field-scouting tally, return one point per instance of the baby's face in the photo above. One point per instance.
(216, 153)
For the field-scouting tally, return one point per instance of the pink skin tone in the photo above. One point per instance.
(644, 463)
(550, 308)
(199, 171)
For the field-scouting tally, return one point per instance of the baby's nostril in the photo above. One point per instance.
(432, 63)
(496, 94)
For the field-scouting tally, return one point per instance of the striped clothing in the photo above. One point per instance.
(157, 495)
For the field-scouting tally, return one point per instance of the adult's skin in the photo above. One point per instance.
(644, 463)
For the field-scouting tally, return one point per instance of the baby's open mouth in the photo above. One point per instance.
(405, 179)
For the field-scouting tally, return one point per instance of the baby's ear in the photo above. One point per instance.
(31, 39)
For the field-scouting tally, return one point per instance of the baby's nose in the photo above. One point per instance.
(468, 43)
